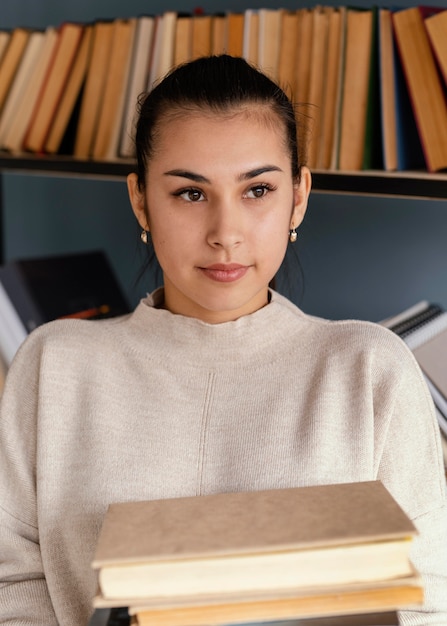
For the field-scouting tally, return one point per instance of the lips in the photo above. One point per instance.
(225, 273)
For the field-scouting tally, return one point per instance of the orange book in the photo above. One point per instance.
(332, 88)
(287, 68)
(235, 34)
(94, 89)
(250, 48)
(70, 94)
(11, 59)
(218, 34)
(201, 36)
(359, 29)
(183, 39)
(54, 85)
(269, 38)
(105, 145)
(317, 79)
(424, 85)
(387, 90)
(436, 26)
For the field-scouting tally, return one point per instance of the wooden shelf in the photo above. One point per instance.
(378, 183)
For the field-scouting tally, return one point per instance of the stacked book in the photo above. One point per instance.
(327, 551)
(368, 83)
(423, 327)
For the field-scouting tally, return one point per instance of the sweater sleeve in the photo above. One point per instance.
(24, 597)
(411, 466)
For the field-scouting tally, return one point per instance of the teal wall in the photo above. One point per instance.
(362, 257)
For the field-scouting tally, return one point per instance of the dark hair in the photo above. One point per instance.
(217, 83)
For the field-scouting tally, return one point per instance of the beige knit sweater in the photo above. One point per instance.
(156, 405)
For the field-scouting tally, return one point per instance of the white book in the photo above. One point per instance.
(141, 57)
(12, 330)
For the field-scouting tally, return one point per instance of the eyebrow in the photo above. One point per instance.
(198, 178)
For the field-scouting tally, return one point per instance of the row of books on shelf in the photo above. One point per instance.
(368, 83)
(323, 555)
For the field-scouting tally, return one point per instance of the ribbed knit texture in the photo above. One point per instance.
(156, 405)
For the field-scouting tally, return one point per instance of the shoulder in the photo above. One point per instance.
(349, 339)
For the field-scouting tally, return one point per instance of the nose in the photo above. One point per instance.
(226, 227)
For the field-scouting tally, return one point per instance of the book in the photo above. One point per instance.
(4, 40)
(317, 78)
(306, 610)
(42, 289)
(71, 93)
(373, 148)
(246, 545)
(105, 145)
(183, 38)
(234, 33)
(21, 79)
(424, 85)
(359, 30)
(69, 39)
(11, 59)
(201, 35)
(120, 617)
(15, 132)
(93, 91)
(250, 45)
(332, 91)
(269, 41)
(141, 58)
(387, 90)
(163, 52)
(288, 51)
(436, 26)
(218, 33)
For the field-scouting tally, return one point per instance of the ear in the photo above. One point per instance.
(301, 193)
(137, 201)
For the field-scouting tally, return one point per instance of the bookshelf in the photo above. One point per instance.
(374, 182)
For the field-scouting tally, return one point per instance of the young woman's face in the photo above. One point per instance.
(219, 203)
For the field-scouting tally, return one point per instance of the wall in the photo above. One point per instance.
(361, 256)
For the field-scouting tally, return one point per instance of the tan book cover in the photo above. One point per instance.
(436, 26)
(53, 86)
(269, 38)
(94, 89)
(288, 52)
(106, 141)
(424, 85)
(317, 79)
(21, 79)
(234, 33)
(303, 52)
(183, 39)
(201, 36)
(359, 28)
(164, 47)
(218, 34)
(70, 94)
(276, 539)
(11, 59)
(15, 133)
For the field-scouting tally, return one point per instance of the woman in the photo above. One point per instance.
(215, 382)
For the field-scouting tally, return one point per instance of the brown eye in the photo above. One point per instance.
(190, 195)
(259, 191)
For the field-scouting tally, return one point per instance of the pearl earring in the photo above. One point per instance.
(144, 236)
(293, 236)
